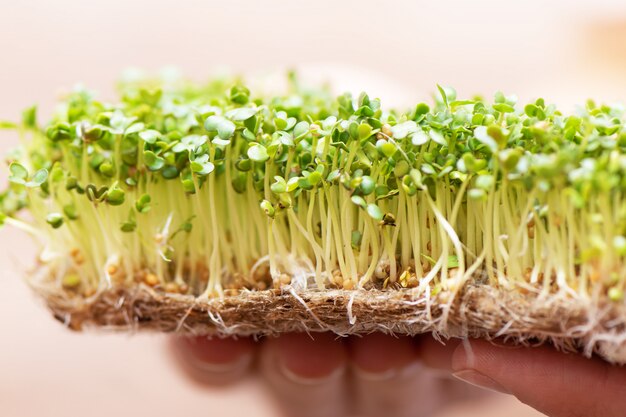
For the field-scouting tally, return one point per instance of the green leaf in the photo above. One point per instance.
(189, 186)
(115, 196)
(18, 170)
(485, 182)
(279, 186)
(292, 184)
(416, 176)
(280, 123)
(152, 161)
(364, 131)
(106, 169)
(437, 137)
(95, 133)
(267, 207)
(189, 143)
(531, 110)
(19, 173)
(497, 133)
(241, 114)
(240, 182)
(142, 205)
(150, 136)
(239, 94)
(251, 126)
(428, 169)
(134, 128)
(355, 239)
(386, 148)
(285, 138)
(408, 186)
(443, 95)
(248, 135)
(301, 129)
(472, 164)
(420, 110)
(169, 172)
(333, 176)
(503, 108)
(375, 212)
(59, 132)
(457, 103)
(70, 211)
(457, 175)
(510, 158)
(55, 220)
(359, 201)
(388, 194)
(258, 153)
(419, 138)
(95, 194)
(314, 178)
(477, 194)
(483, 137)
(453, 261)
(220, 142)
(7, 125)
(128, 226)
(225, 129)
(402, 130)
(29, 117)
(243, 164)
(291, 122)
(202, 168)
(402, 168)
(39, 178)
(368, 185)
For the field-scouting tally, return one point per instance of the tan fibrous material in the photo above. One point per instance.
(477, 311)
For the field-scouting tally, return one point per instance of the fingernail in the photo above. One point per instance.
(193, 354)
(404, 372)
(479, 380)
(437, 373)
(304, 380)
(232, 367)
(374, 376)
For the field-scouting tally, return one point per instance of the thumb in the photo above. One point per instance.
(557, 384)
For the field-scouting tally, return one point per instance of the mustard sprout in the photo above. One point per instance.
(205, 188)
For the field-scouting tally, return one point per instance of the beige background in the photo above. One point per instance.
(565, 51)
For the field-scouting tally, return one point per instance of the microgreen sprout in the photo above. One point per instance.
(213, 187)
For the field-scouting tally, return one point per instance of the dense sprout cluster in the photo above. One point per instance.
(210, 188)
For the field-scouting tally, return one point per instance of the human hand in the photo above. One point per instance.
(557, 384)
(324, 375)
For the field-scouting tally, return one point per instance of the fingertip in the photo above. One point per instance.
(307, 356)
(390, 379)
(307, 373)
(499, 355)
(377, 353)
(555, 383)
(214, 361)
(437, 353)
(480, 363)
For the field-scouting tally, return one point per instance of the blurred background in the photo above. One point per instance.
(565, 51)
